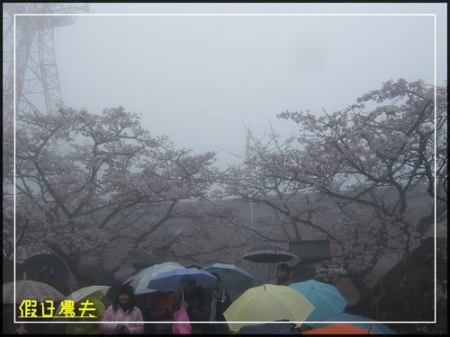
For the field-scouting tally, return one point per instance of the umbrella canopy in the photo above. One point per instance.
(232, 277)
(140, 281)
(269, 329)
(95, 294)
(171, 280)
(338, 329)
(30, 290)
(81, 293)
(269, 254)
(268, 303)
(47, 264)
(376, 328)
(325, 297)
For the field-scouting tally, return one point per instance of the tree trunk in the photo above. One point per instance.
(359, 284)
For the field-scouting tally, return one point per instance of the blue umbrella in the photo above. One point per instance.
(325, 297)
(172, 280)
(232, 277)
(376, 328)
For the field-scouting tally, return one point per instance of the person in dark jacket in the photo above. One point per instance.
(219, 300)
(149, 315)
(197, 304)
(162, 305)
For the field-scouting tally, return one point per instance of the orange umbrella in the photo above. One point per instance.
(338, 329)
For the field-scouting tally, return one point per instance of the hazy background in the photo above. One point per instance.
(200, 80)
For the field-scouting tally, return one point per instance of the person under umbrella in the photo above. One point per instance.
(96, 301)
(220, 301)
(160, 307)
(283, 274)
(123, 309)
(27, 290)
(197, 303)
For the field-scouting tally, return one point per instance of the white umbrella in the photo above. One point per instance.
(140, 281)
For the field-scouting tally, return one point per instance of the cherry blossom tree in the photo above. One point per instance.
(87, 184)
(365, 166)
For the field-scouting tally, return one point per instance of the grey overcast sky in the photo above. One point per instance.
(201, 79)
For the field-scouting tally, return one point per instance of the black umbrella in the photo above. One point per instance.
(50, 269)
(47, 264)
(47, 268)
(269, 254)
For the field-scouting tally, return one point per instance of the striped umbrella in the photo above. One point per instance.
(30, 290)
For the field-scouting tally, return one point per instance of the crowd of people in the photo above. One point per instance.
(128, 313)
(202, 304)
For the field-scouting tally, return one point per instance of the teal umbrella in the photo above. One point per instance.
(326, 298)
(232, 278)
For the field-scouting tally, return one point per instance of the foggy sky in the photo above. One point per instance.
(201, 80)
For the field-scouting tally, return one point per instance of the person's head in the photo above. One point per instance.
(188, 284)
(216, 284)
(125, 297)
(283, 271)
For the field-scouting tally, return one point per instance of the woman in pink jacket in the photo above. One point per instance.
(124, 310)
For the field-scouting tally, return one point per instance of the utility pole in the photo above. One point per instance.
(247, 158)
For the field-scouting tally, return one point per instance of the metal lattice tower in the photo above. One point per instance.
(37, 82)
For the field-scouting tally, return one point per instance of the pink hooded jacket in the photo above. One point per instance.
(120, 315)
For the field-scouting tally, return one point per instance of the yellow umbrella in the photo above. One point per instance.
(81, 293)
(94, 294)
(268, 303)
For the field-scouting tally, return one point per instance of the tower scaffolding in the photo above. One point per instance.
(37, 81)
